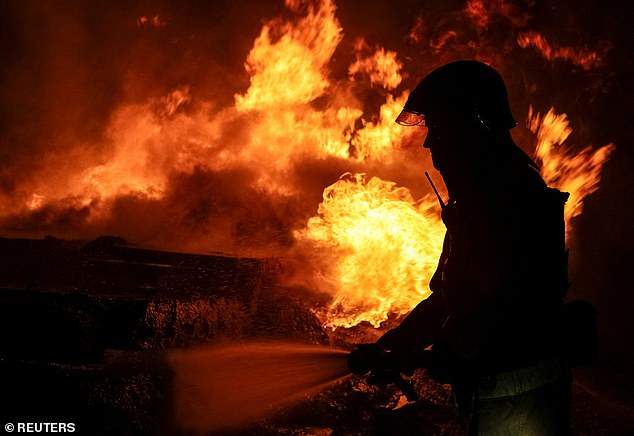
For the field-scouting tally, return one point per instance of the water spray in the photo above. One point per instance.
(218, 388)
(222, 387)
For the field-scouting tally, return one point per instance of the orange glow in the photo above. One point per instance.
(383, 68)
(35, 202)
(143, 148)
(288, 64)
(416, 32)
(439, 43)
(584, 58)
(578, 173)
(383, 248)
(146, 148)
(476, 10)
(291, 69)
(376, 140)
(293, 130)
(153, 21)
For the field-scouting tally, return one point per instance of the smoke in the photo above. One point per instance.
(67, 69)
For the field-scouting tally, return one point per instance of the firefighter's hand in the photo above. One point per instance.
(363, 358)
(384, 378)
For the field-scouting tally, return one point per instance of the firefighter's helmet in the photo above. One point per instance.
(457, 93)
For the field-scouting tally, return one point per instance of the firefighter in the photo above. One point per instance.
(494, 318)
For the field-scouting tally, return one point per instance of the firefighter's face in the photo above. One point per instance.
(449, 143)
(441, 142)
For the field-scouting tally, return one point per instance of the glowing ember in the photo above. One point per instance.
(384, 248)
(578, 173)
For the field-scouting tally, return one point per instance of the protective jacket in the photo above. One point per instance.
(497, 294)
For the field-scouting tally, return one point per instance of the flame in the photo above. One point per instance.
(483, 13)
(416, 32)
(375, 246)
(153, 21)
(384, 247)
(289, 73)
(577, 173)
(270, 127)
(383, 67)
(437, 44)
(291, 69)
(376, 140)
(582, 57)
(477, 11)
(146, 149)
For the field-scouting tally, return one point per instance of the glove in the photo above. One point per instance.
(364, 358)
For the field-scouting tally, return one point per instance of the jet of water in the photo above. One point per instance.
(220, 387)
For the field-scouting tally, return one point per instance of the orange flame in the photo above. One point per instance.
(376, 246)
(153, 21)
(578, 173)
(438, 43)
(376, 140)
(291, 70)
(384, 247)
(288, 65)
(383, 68)
(476, 10)
(416, 32)
(585, 58)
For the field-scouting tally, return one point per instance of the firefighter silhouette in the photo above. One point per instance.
(495, 317)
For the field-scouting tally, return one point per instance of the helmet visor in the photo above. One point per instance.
(409, 118)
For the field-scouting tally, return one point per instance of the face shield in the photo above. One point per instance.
(410, 118)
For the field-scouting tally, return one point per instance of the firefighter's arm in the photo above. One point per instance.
(420, 328)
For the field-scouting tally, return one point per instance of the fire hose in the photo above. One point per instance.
(387, 366)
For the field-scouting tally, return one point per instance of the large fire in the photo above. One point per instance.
(383, 248)
(384, 245)
(246, 177)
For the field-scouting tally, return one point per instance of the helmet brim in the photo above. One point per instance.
(409, 118)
